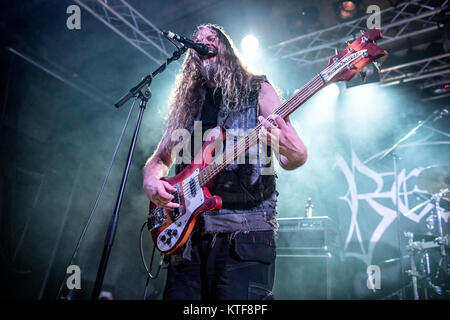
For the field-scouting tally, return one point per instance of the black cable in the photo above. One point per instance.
(146, 286)
(149, 275)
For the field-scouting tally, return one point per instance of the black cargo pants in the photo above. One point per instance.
(225, 268)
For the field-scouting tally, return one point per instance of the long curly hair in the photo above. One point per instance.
(232, 78)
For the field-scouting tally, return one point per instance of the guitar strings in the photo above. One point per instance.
(285, 109)
(241, 146)
(250, 139)
(314, 84)
(211, 170)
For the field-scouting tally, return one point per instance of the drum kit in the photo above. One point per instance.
(433, 281)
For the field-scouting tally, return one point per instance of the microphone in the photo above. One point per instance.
(443, 114)
(202, 49)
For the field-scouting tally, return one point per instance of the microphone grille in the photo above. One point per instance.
(168, 34)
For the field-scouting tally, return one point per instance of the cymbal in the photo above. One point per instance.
(434, 179)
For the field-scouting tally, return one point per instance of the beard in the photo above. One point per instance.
(208, 69)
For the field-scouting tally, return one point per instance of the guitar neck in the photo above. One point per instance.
(285, 109)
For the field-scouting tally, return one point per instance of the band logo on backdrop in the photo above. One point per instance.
(384, 191)
(380, 196)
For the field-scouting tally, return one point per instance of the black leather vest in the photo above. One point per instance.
(247, 185)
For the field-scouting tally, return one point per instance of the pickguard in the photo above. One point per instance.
(193, 198)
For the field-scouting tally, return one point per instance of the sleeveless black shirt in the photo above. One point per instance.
(238, 185)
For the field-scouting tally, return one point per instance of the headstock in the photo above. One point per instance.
(347, 63)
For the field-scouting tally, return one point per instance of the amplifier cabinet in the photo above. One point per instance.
(309, 264)
(309, 236)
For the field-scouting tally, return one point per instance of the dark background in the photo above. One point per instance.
(57, 140)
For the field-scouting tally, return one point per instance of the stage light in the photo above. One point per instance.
(331, 90)
(250, 44)
(441, 90)
(366, 89)
(347, 10)
(251, 55)
(366, 103)
(323, 105)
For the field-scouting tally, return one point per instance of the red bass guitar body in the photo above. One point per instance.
(171, 229)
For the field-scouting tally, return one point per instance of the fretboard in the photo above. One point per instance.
(242, 145)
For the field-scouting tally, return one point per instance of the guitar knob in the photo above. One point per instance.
(163, 238)
(174, 232)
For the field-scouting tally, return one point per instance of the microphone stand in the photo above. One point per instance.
(391, 151)
(142, 91)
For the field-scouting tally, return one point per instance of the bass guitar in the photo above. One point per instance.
(171, 229)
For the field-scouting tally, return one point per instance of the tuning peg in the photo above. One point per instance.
(377, 65)
(363, 76)
(362, 31)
